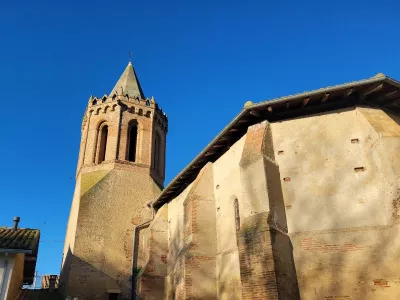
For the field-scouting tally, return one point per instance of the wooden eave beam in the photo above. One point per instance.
(384, 99)
(349, 92)
(255, 113)
(314, 109)
(389, 94)
(373, 89)
(393, 101)
(305, 102)
(225, 138)
(210, 153)
(325, 98)
(218, 146)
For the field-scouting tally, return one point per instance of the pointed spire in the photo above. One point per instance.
(128, 83)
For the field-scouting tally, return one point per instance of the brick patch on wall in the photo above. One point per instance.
(312, 244)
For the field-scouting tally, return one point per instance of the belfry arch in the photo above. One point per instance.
(132, 141)
(102, 143)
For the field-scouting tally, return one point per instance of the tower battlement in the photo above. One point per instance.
(142, 107)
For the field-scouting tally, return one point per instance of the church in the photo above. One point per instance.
(296, 198)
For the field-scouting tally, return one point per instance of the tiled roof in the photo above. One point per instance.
(19, 239)
(379, 91)
(43, 294)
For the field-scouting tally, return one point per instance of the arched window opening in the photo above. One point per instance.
(103, 143)
(157, 155)
(132, 141)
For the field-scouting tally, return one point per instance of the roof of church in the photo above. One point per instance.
(378, 91)
(128, 83)
(21, 239)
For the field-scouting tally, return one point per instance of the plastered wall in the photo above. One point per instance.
(227, 188)
(11, 275)
(16, 277)
(340, 182)
(318, 201)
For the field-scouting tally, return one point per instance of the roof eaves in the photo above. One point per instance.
(200, 155)
(323, 90)
(247, 109)
(16, 251)
(392, 81)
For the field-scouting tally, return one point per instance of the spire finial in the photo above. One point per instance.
(130, 57)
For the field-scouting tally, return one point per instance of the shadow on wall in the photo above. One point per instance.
(79, 278)
(266, 251)
(140, 260)
(187, 271)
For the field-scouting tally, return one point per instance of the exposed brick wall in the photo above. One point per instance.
(254, 142)
(257, 267)
(193, 275)
(152, 279)
(319, 245)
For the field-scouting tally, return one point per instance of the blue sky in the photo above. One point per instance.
(202, 60)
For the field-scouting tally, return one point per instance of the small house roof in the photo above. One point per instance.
(24, 239)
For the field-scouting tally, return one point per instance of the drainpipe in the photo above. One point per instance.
(4, 276)
(135, 230)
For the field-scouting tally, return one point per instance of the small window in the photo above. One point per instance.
(158, 155)
(103, 134)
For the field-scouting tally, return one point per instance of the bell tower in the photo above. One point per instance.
(121, 169)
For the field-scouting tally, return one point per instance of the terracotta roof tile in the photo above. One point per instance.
(19, 239)
(42, 294)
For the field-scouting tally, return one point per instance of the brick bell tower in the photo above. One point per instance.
(121, 169)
